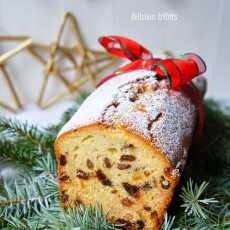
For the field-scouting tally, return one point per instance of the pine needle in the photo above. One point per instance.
(31, 201)
(168, 222)
(193, 204)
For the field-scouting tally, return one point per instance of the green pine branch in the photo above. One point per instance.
(192, 202)
(17, 151)
(46, 166)
(28, 196)
(31, 202)
(81, 218)
(168, 222)
(14, 129)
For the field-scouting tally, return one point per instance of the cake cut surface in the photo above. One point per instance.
(125, 149)
(117, 170)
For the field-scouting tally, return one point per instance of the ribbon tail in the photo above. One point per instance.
(124, 47)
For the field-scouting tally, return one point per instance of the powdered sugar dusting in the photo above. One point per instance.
(143, 104)
(93, 107)
(166, 117)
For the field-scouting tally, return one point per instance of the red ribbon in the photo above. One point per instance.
(179, 71)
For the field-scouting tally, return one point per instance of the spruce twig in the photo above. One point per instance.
(29, 196)
(83, 218)
(193, 204)
(168, 222)
(32, 203)
(15, 129)
(17, 151)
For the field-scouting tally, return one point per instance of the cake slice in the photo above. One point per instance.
(125, 149)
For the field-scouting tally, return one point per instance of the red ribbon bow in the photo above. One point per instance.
(179, 71)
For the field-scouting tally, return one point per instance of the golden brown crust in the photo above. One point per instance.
(173, 180)
(154, 120)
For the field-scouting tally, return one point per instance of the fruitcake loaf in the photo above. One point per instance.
(125, 149)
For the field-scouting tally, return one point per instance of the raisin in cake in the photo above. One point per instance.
(125, 149)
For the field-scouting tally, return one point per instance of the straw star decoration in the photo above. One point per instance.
(24, 42)
(85, 63)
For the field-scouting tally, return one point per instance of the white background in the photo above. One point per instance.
(202, 26)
